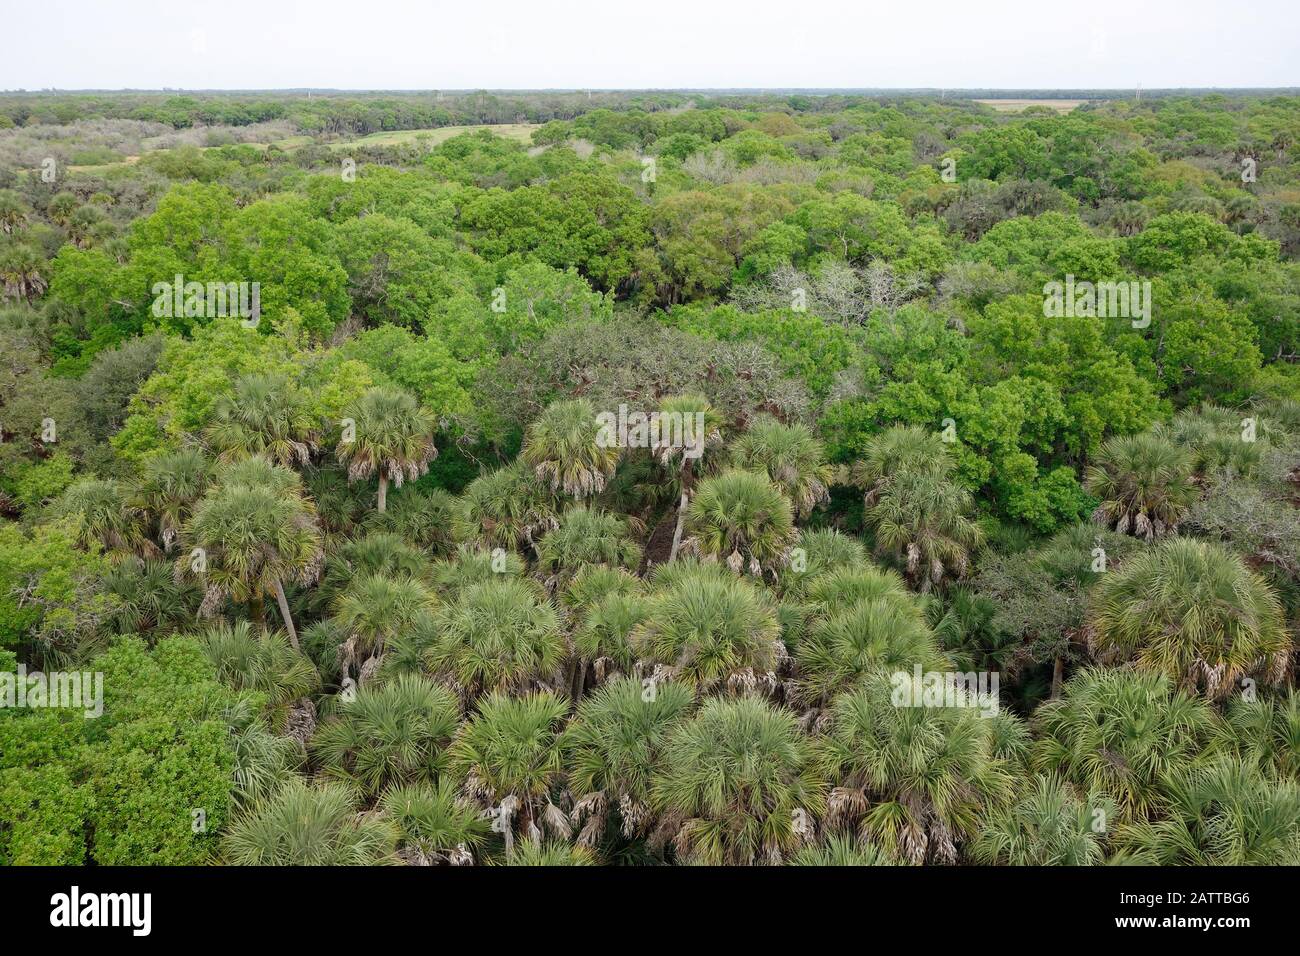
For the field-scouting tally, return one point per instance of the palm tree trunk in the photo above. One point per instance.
(1058, 670)
(681, 520)
(383, 492)
(528, 538)
(284, 613)
(579, 680)
(256, 612)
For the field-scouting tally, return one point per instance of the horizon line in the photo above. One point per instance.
(945, 90)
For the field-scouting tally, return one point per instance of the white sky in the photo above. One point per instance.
(621, 44)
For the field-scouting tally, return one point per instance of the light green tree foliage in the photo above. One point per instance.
(50, 593)
(122, 788)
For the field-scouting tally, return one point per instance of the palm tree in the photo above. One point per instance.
(264, 664)
(148, 597)
(1119, 732)
(971, 635)
(922, 520)
(423, 516)
(918, 779)
(687, 460)
(61, 207)
(586, 536)
(710, 631)
(1049, 826)
(1193, 611)
(374, 610)
(899, 450)
(1128, 218)
(1213, 434)
(791, 458)
(249, 534)
(342, 506)
(1265, 732)
(596, 582)
(509, 756)
(605, 604)
(873, 635)
(264, 761)
(13, 212)
(614, 747)
(22, 271)
(1223, 813)
(603, 639)
(506, 509)
(832, 591)
(169, 486)
(1144, 483)
(819, 550)
(264, 416)
(107, 518)
(565, 448)
(742, 517)
(88, 223)
(378, 553)
(309, 824)
(499, 635)
(393, 733)
(840, 850)
(393, 439)
(549, 853)
(321, 642)
(469, 565)
(738, 785)
(436, 826)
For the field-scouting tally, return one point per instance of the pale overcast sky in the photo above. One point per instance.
(621, 44)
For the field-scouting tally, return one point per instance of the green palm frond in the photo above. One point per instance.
(305, 824)
(562, 446)
(1193, 611)
(791, 458)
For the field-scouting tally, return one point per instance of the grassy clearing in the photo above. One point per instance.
(520, 132)
(105, 167)
(1016, 106)
(293, 142)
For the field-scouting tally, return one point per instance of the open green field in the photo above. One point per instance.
(1016, 106)
(104, 167)
(521, 132)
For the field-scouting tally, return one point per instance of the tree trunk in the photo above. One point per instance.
(532, 545)
(579, 680)
(681, 520)
(284, 613)
(1058, 670)
(383, 492)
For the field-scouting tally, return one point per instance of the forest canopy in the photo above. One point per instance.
(552, 478)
